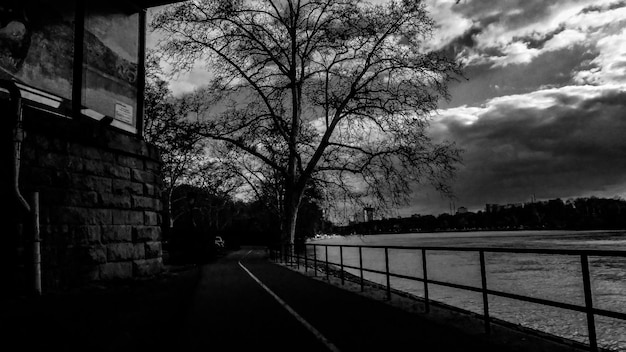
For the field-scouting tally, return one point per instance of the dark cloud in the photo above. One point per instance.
(466, 40)
(574, 147)
(553, 68)
(599, 8)
(512, 13)
(536, 132)
(537, 40)
(461, 43)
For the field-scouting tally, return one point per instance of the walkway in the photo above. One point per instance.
(245, 303)
(240, 302)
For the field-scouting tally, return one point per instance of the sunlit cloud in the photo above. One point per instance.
(609, 67)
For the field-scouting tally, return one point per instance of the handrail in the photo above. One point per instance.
(583, 254)
(590, 252)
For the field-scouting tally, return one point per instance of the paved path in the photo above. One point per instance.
(245, 303)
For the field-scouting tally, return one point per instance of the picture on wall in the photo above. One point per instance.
(37, 45)
(111, 62)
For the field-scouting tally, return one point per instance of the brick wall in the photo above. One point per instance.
(99, 200)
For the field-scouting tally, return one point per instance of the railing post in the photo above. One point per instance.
(361, 266)
(425, 276)
(327, 273)
(591, 321)
(306, 260)
(483, 279)
(387, 273)
(314, 260)
(297, 257)
(341, 263)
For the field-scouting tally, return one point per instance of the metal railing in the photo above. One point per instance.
(293, 257)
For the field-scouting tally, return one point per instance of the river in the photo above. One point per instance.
(553, 277)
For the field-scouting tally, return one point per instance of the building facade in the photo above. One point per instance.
(83, 187)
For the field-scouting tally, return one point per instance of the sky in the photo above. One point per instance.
(542, 111)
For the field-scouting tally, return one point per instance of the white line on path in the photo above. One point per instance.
(306, 324)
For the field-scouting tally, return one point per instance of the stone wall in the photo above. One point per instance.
(99, 200)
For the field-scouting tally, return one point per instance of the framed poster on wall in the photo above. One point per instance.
(77, 57)
(37, 46)
(110, 63)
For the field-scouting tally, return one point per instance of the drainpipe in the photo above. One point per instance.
(18, 137)
(15, 111)
(36, 243)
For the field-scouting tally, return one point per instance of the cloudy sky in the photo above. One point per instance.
(543, 111)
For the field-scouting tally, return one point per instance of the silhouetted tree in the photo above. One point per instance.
(336, 92)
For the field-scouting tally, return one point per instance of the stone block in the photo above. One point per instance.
(153, 249)
(119, 270)
(85, 152)
(86, 233)
(127, 217)
(143, 176)
(146, 233)
(116, 171)
(149, 190)
(108, 157)
(148, 203)
(68, 215)
(57, 196)
(99, 217)
(125, 251)
(121, 233)
(147, 267)
(75, 164)
(96, 254)
(132, 162)
(83, 255)
(111, 200)
(54, 160)
(94, 167)
(151, 218)
(127, 187)
(152, 166)
(93, 183)
(86, 199)
(139, 251)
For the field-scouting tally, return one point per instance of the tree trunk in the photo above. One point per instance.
(291, 206)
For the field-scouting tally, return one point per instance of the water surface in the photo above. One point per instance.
(553, 277)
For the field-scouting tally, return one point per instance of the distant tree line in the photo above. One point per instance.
(555, 214)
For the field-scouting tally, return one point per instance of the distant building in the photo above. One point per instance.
(368, 212)
(491, 208)
(461, 210)
(358, 217)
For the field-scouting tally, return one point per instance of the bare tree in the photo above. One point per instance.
(337, 92)
(166, 127)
